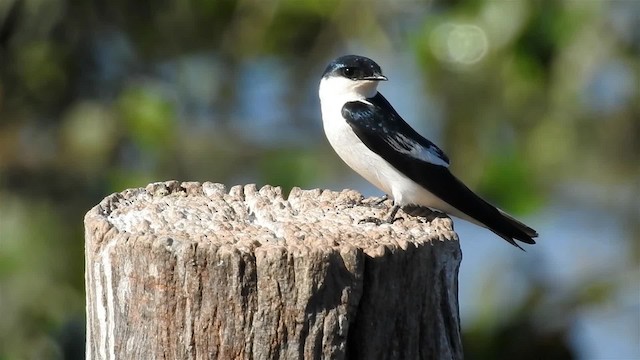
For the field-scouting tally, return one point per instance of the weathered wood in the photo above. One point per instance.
(194, 271)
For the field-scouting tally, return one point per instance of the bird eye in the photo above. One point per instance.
(348, 71)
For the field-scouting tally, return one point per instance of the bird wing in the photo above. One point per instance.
(384, 132)
(375, 121)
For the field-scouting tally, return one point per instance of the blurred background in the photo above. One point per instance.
(536, 102)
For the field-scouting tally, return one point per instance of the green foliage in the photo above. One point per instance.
(88, 137)
(148, 117)
(41, 71)
(26, 231)
(288, 167)
(508, 180)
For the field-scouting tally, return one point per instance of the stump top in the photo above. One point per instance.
(247, 217)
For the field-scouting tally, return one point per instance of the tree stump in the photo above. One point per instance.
(196, 271)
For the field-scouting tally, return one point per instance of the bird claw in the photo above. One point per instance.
(370, 219)
(381, 200)
(378, 202)
(379, 222)
(389, 220)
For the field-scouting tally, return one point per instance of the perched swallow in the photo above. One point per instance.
(370, 136)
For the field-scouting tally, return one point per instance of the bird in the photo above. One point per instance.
(372, 138)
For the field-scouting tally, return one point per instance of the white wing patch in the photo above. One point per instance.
(410, 147)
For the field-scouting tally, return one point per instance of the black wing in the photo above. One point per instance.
(387, 131)
(382, 130)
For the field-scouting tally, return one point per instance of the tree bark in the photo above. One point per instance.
(194, 271)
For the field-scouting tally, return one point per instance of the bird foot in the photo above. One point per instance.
(370, 219)
(378, 202)
(377, 221)
(389, 220)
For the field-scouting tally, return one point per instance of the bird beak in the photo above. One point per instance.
(376, 77)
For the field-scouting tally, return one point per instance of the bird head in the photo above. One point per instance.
(351, 76)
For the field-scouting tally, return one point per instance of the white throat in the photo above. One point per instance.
(343, 90)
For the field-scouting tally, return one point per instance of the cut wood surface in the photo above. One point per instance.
(198, 271)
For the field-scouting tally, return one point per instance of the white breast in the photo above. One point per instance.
(334, 93)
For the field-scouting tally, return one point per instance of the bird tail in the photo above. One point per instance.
(514, 229)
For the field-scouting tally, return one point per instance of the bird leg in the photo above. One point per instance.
(378, 203)
(389, 220)
(392, 215)
(382, 199)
